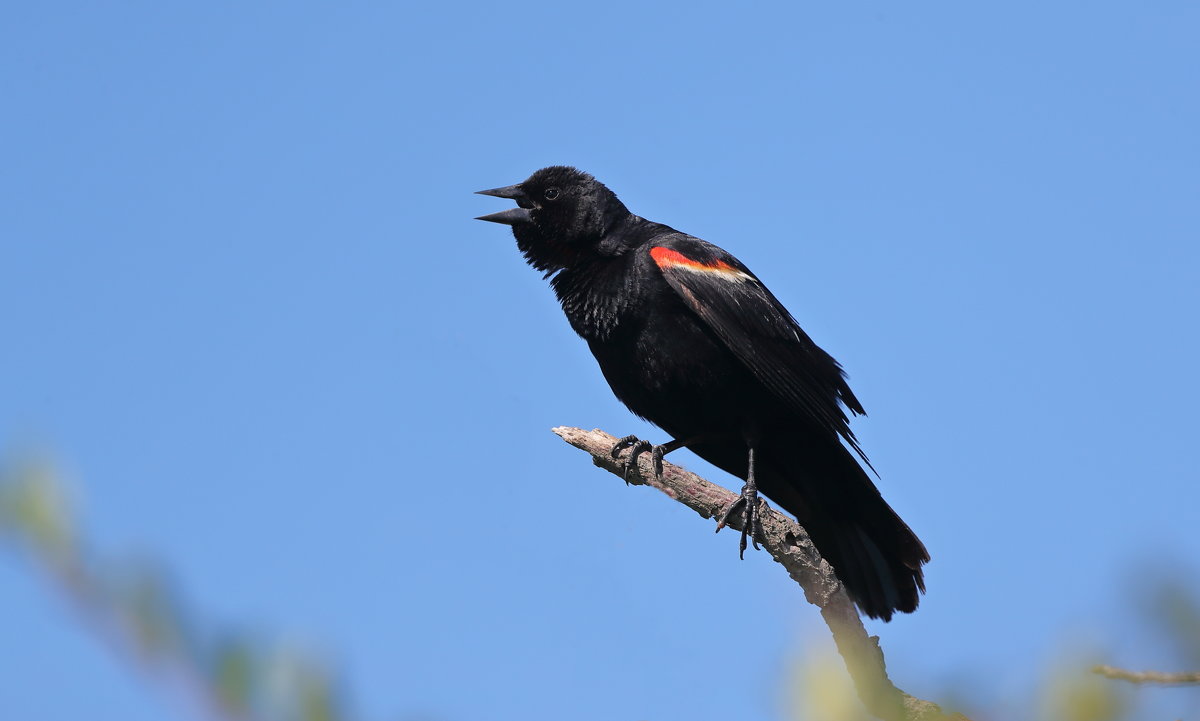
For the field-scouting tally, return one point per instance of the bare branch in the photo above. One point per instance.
(1182, 678)
(788, 544)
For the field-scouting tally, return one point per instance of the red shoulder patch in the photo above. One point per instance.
(669, 258)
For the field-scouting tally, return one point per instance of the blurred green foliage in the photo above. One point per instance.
(1073, 694)
(34, 508)
(1175, 610)
(136, 609)
(236, 676)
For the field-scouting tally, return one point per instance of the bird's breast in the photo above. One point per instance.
(599, 298)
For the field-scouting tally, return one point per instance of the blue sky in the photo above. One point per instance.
(245, 305)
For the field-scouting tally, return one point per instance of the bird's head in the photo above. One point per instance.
(562, 216)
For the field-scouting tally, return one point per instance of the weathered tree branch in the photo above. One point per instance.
(1182, 678)
(789, 544)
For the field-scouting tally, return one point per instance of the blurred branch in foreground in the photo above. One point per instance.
(789, 544)
(1171, 607)
(1159, 677)
(230, 675)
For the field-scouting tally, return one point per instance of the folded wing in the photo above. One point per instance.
(760, 332)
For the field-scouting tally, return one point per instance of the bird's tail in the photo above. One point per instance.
(875, 554)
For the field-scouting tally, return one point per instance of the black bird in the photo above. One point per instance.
(689, 339)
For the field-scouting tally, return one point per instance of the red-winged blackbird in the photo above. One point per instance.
(689, 339)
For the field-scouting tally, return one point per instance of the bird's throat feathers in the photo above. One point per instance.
(550, 250)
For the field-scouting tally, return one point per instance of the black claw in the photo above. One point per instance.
(622, 444)
(756, 523)
(638, 447)
(751, 518)
(631, 463)
(724, 519)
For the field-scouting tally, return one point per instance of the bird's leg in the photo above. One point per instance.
(751, 521)
(639, 447)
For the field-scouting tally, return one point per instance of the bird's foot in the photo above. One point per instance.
(751, 518)
(637, 447)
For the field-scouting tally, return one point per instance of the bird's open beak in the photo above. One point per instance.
(512, 216)
(512, 192)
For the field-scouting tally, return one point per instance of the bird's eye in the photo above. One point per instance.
(551, 193)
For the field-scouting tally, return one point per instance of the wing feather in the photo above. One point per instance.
(760, 332)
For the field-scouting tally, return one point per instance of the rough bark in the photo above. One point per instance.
(788, 544)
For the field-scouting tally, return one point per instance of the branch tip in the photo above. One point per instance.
(789, 544)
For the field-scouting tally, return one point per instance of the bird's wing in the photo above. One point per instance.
(759, 331)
